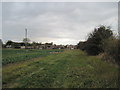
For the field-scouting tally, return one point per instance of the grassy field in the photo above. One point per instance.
(68, 69)
(18, 55)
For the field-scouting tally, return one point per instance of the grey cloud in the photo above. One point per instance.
(56, 21)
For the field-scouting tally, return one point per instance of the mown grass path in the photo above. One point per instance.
(69, 69)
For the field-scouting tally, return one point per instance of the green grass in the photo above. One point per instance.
(18, 55)
(69, 69)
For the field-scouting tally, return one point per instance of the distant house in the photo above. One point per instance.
(55, 46)
(49, 45)
(42, 46)
(11, 44)
(16, 45)
(71, 47)
(21, 45)
(60, 47)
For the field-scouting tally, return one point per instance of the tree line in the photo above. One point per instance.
(102, 42)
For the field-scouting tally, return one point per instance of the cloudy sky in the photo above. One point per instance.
(57, 22)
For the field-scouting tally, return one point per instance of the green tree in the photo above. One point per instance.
(34, 44)
(26, 40)
(9, 42)
(94, 44)
(81, 45)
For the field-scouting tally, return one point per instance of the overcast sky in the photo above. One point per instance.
(57, 22)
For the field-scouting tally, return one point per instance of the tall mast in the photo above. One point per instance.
(26, 33)
(26, 38)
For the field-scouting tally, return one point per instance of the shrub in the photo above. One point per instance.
(81, 45)
(112, 49)
(94, 42)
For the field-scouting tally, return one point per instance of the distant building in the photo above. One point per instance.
(11, 44)
(71, 47)
(49, 45)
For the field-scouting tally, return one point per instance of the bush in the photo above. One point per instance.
(94, 42)
(81, 45)
(112, 50)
